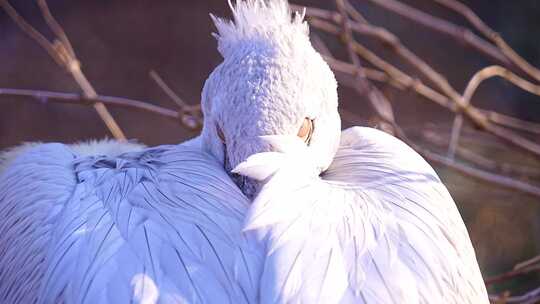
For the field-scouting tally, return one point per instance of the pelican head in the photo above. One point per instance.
(271, 82)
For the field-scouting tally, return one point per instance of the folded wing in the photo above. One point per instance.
(377, 227)
(162, 224)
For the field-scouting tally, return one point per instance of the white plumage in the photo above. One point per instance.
(349, 217)
(377, 227)
(161, 224)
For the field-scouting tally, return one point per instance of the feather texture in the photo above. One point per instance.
(159, 225)
(166, 224)
(258, 20)
(377, 227)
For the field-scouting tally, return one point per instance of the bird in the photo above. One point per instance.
(271, 203)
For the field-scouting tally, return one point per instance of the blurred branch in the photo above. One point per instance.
(458, 105)
(400, 80)
(524, 267)
(31, 32)
(62, 53)
(189, 115)
(510, 274)
(172, 95)
(479, 174)
(55, 27)
(534, 261)
(121, 102)
(482, 175)
(405, 82)
(514, 57)
(458, 33)
(478, 160)
(475, 81)
(512, 122)
(498, 71)
(364, 87)
(530, 297)
(78, 99)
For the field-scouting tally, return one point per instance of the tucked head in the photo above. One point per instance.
(271, 82)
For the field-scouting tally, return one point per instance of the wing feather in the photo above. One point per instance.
(378, 227)
(34, 187)
(157, 225)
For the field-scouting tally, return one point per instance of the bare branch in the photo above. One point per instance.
(459, 104)
(378, 101)
(514, 57)
(498, 71)
(512, 122)
(478, 160)
(172, 95)
(458, 33)
(503, 181)
(31, 31)
(400, 79)
(479, 174)
(528, 263)
(510, 274)
(62, 52)
(473, 84)
(454, 135)
(78, 99)
(355, 14)
(189, 115)
(55, 27)
(402, 83)
(530, 297)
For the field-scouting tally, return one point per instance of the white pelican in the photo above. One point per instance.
(335, 217)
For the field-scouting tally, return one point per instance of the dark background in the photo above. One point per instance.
(119, 42)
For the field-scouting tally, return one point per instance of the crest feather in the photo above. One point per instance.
(256, 19)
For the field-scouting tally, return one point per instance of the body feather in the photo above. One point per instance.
(166, 224)
(377, 227)
(158, 225)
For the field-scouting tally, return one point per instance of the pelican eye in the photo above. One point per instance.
(222, 138)
(220, 134)
(306, 130)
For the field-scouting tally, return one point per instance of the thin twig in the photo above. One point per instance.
(372, 74)
(63, 54)
(464, 169)
(512, 122)
(440, 81)
(356, 69)
(476, 80)
(530, 297)
(55, 26)
(189, 115)
(454, 135)
(489, 33)
(355, 14)
(78, 99)
(528, 263)
(442, 26)
(482, 175)
(510, 274)
(478, 160)
(378, 101)
(172, 95)
(498, 71)
(402, 83)
(31, 31)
